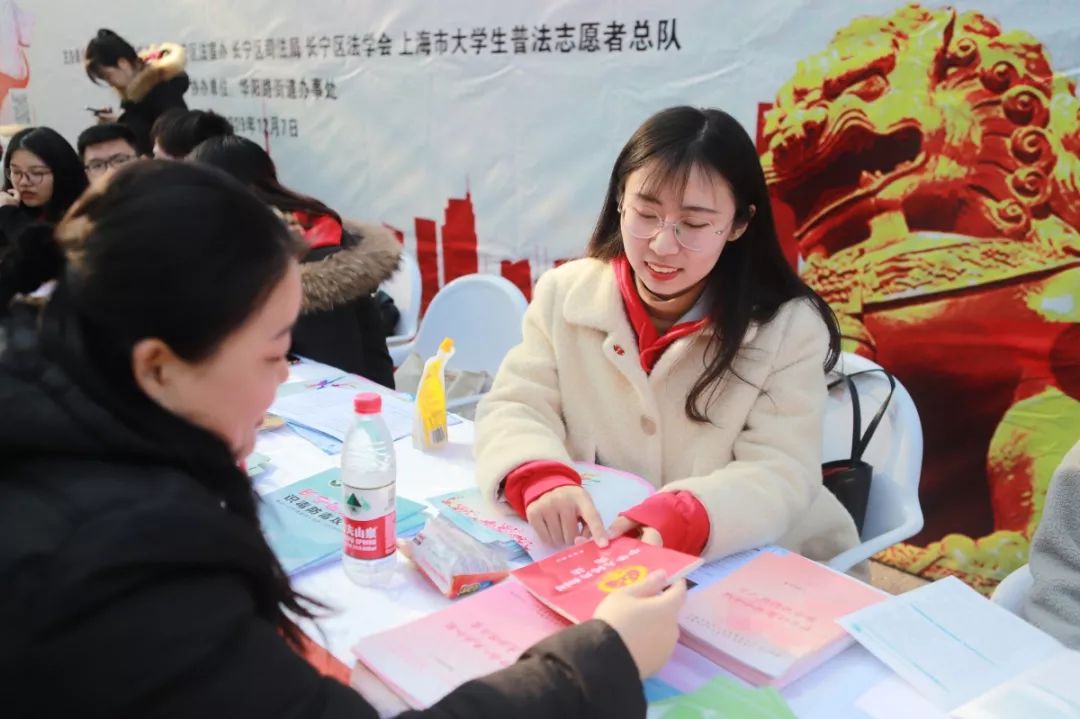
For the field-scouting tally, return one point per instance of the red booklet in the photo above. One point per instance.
(574, 581)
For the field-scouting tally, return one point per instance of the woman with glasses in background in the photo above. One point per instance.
(42, 178)
(684, 349)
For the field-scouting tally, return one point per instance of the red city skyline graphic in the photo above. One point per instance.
(456, 241)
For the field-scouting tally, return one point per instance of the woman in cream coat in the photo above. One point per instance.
(626, 361)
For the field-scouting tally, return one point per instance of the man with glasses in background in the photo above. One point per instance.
(106, 148)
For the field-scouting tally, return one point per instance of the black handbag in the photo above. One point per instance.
(849, 479)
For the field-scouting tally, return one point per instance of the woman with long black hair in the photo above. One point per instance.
(683, 348)
(136, 581)
(340, 322)
(43, 177)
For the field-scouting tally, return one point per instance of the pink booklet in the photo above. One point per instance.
(774, 619)
(574, 581)
(425, 660)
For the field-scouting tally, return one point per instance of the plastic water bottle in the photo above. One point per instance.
(368, 477)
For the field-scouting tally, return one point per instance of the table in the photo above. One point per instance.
(831, 692)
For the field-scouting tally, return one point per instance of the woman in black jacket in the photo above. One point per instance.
(340, 322)
(135, 579)
(42, 178)
(149, 83)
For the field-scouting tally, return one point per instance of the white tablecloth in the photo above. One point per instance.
(356, 612)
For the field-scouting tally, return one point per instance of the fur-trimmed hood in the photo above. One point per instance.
(353, 271)
(161, 63)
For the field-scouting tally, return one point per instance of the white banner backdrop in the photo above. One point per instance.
(485, 131)
(386, 111)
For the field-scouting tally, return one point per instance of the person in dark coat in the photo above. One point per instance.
(42, 178)
(340, 323)
(136, 581)
(149, 83)
(177, 132)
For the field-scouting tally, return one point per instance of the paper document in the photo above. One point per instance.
(948, 641)
(327, 407)
(611, 491)
(1050, 690)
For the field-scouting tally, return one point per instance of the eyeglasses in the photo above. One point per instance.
(33, 176)
(96, 167)
(693, 234)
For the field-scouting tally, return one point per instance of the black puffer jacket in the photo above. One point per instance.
(131, 589)
(340, 322)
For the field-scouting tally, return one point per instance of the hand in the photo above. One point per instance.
(555, 516)
(625, 525)
(10, 197)
(646, 619)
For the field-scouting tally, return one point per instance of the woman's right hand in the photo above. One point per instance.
(9, 197)
(646, 618)
(556, 516)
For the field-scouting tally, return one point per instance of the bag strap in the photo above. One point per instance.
(859, 444)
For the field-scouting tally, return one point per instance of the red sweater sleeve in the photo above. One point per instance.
(679, 517)
(533, 479)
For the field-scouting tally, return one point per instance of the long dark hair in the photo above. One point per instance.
(185, 254)
(249, 163)
(107, 49)
(69, 177)
(752, 279)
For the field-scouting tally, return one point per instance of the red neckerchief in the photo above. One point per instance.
(319, 230)
(650, 344)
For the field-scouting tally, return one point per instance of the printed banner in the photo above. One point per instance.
(924, 162)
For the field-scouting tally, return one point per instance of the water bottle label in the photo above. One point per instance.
(370, 523)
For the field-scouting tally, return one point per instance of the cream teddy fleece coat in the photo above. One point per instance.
(574, 390)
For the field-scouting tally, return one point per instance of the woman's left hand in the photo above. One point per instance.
(625, 525)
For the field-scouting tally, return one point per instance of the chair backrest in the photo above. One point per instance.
(1012, 593)
(404, 287)
(482, 313)
(893, 512)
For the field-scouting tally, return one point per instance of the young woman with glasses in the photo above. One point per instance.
(42, 178)
(684, 349)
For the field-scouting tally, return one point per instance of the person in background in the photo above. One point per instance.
(683, 349)
(148, 83)
(340, 323)
(42, 178)
(176, 133)
(136, 579)
(104, 149)
(1053, 604)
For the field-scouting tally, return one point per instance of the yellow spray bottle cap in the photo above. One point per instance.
(447, 345)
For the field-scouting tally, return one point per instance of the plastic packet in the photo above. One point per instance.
(453, 561)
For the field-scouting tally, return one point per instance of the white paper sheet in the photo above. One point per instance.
(1050, 690)
(327, 407)
(948, 641)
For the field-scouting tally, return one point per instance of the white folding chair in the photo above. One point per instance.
(404, 287)
(893, 512)
(482, 313)
(1012, 593)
